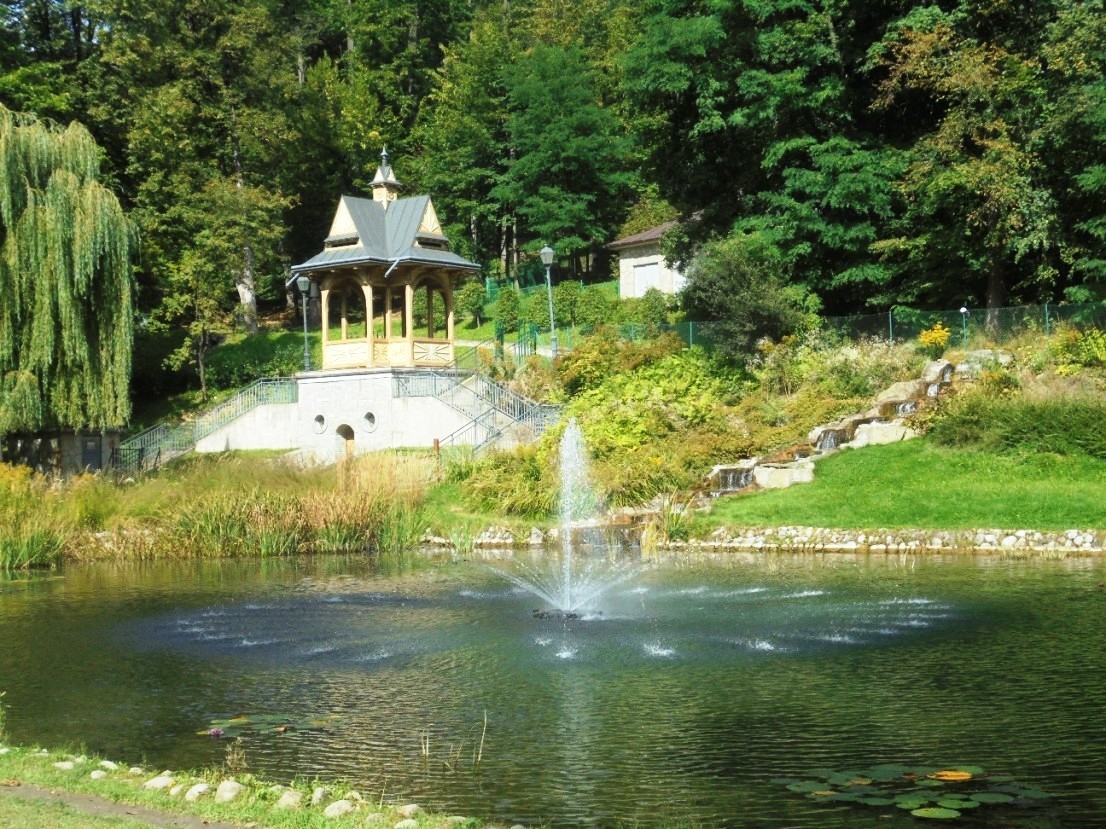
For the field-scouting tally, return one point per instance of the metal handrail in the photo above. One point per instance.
(163, 442)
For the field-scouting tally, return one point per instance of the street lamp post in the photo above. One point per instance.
(304, 284)
(964, 325)
(546, 255)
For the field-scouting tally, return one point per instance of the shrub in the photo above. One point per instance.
(1063, 426)
(507, 309)
(934, 340)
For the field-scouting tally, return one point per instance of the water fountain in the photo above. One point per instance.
(572, 586)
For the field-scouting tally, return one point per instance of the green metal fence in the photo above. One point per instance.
(967, 325)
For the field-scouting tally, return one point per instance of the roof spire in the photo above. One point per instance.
(384, 185)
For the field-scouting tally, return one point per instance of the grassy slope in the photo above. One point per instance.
(920, 485)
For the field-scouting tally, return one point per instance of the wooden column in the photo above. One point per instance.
(388, 312)
(448, 294)
(409, 321)
(367, 289)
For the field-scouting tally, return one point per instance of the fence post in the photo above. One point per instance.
(890, 326)
(1047, 331)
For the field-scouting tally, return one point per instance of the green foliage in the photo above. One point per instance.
(1014, 423)
(240, 359)
(649, 312)
(566, 298)
(33, 528)
(568, 170)
(470, 301)
(508, 308)
(594, 308)
(65, 274)
(604, 354)
(740, 283)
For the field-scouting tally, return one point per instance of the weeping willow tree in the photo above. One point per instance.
(66, 304)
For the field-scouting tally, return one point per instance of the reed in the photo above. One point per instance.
(34, 530)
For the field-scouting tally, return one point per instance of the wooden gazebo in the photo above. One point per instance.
(380, 252)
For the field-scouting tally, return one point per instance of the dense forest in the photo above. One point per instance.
(868, 153)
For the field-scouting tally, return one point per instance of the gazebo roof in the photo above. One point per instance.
(366, 231)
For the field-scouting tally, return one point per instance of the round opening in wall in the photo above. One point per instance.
(319, 424)
(369, 423)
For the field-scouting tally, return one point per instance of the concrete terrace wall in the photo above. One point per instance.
(339, 411)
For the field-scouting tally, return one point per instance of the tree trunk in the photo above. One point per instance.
(246, 281)
(996, 294)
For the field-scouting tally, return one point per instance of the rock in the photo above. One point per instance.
(4, 750)
(319, 796)
(135, 770)
(938, 371)
(410, 810)
(338, 808)
(98, 774)
(407, 823)
(291, 799)
(537, 537)
(109, 766)
(196, 792)
(176, 790)
(158, 783)
(64, 765)
(228, 790)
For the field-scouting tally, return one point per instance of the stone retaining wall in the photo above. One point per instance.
(817, 539)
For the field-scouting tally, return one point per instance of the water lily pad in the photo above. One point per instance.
(965, 803)
(938, 812)
(992, 797)
(952, 776)
(1036, 794)
(806, 786)
(912, 804)
(877, 801)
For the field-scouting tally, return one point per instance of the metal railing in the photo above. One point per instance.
(464, 386)
(163, 442)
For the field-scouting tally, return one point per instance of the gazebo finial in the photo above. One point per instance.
(384, 185)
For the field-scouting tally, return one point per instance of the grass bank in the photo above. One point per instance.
(921, 485)
(122, 788)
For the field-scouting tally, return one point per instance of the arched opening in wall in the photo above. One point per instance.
(346, 316)
(346, 434)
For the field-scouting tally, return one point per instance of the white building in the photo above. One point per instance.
(641, 264)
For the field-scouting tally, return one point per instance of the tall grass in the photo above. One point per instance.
(216, 506)
(34, 530)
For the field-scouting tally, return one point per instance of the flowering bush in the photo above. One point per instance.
(934, 340)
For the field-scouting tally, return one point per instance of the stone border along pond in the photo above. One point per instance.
(190, 787)
(818, 539)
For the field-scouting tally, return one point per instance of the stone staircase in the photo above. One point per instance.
(496, 415)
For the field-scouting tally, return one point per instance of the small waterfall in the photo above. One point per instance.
(733, 479)
(907, 408)
(829, 439)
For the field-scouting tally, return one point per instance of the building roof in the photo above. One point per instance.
(650, 236)
(365, 231)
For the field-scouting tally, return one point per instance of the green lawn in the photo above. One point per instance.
(920, 485)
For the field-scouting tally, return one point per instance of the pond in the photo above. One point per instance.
(723, 689)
